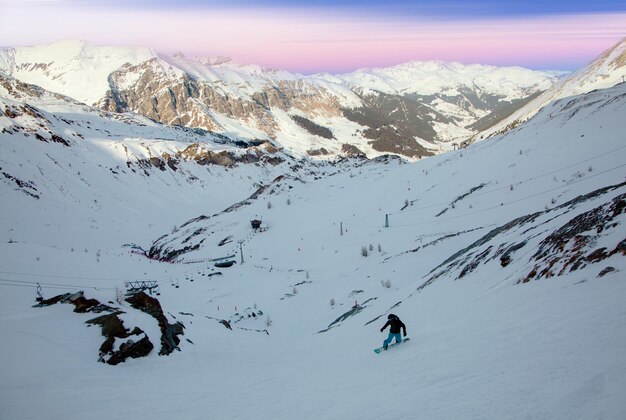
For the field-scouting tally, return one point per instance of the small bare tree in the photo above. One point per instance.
(119, 296)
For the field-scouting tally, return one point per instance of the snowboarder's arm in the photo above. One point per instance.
(385, 326)
(404, 329)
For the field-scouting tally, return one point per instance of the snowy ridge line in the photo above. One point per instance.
(511, 224)
(487, 208)
(384, 313)
(442, 234)
(441, 237)
(504, 204)
(517, 183)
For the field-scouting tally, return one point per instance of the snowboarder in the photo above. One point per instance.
(394, 332)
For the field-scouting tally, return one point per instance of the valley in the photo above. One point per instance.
(504, 257)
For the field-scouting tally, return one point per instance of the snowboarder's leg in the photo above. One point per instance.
(387, 341)
(398, 338)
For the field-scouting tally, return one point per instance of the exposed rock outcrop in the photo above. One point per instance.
(113, 328)
(78, 299)
(197, 153)
(133, 344)
(169, 332)
(567, 248)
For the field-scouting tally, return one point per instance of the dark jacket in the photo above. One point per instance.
(395, 324)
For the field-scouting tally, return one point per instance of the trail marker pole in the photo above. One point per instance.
(386, 220)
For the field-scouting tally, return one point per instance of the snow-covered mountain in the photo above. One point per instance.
(504, 259)
(71, 67)
(415, 109)
(464, 93)
(605, 71)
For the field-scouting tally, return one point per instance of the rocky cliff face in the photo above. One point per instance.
(176, 99)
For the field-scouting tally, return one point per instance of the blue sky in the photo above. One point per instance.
(334, 36)
(469, 9)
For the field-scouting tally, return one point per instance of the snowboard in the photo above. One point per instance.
(379, 349)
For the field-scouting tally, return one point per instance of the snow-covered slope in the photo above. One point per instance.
(104, 158)
(437, 77)
(415, 109)
(605, 71)
(505, 260)
(71, 67)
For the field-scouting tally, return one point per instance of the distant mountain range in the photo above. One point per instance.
(414, 109)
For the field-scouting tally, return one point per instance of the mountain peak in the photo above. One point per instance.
(214, 61)
(72, 67)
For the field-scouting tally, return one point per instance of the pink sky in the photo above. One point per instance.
(312, 40)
